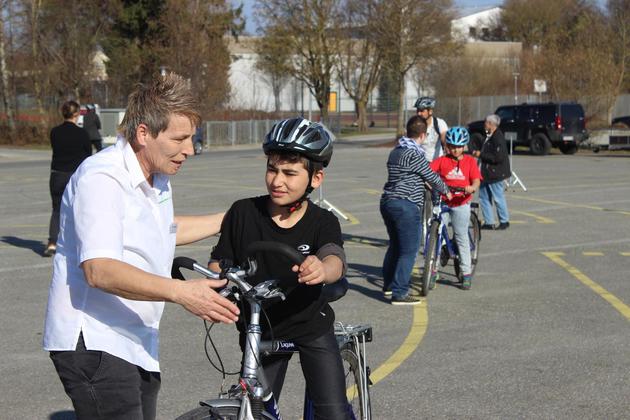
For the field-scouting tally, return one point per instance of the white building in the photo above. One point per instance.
(250, 89)
(475, 23)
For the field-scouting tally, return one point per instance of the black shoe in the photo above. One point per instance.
(486, 226)
(503, 226)
(406, 300)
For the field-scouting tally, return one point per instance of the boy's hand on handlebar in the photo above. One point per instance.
(200, 298)
(469, 189)
(449, 195)
(311, 272)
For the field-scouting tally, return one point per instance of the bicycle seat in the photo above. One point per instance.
(335, 291)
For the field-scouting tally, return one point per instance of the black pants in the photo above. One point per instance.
(102, 386)
(98, 144)
(323, 372)
(57, 185)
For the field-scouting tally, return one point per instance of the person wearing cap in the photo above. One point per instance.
(297, 152)
(92, 124)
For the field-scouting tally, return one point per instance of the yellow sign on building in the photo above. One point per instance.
(332, 102)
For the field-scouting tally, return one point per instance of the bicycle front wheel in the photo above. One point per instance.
(357, 387)
(430, 259)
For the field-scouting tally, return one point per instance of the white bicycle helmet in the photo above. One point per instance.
(425, 102)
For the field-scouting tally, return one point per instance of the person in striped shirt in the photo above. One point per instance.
(401, 208)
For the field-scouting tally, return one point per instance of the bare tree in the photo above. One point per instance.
(274, 62)
(359, 60)
(4, 75)
(310, 31)
(410, 31)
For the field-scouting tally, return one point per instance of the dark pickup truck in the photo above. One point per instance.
(538, 126)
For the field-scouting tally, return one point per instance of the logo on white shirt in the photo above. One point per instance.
(455, 174)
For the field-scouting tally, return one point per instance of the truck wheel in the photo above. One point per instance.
(540, 145)
(568, 148)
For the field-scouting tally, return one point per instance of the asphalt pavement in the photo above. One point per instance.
(544, 332)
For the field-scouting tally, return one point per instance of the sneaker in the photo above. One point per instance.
(387, 292)
(467, 279)
(434, 278)
(487, 226)
(503, 225)
(50, 249)
(406, 300)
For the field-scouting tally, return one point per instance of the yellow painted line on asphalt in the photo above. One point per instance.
(556, 257)
(353, 220)
(625, 254)
(418, 328)
(373, 192)
(539, 219)
(593, 254)
(571, 205)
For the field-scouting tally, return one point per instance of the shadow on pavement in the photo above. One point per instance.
(63, 415)
(378, 242)
(35, 246)
(372, 274)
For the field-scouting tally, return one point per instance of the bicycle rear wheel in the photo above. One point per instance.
(357, 387)
(474, 235)
(227, 412)
(430, 259)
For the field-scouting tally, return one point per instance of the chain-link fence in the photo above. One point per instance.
(233, 133)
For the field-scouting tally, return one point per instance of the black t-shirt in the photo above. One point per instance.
(70, 146)
(302, 315)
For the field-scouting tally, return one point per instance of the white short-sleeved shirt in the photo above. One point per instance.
(432, 144)
(109, 210)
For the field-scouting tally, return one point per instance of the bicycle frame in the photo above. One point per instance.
(252, 397)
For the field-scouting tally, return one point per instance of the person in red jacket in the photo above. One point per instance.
(458, 170)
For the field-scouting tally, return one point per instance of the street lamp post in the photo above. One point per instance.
(516, 74)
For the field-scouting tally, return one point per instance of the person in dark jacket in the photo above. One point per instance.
(495, 168)
(70, 146)
(92, 124)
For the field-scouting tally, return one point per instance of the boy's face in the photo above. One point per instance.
(287, 182)
(455, 151)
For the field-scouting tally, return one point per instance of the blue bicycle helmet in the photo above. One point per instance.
(457, 136)
(425, 102)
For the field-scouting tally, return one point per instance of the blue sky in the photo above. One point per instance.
(251, 25)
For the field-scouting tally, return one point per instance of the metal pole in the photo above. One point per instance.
(515, 74)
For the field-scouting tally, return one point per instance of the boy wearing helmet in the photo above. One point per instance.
(459, 171)
(436, 128)
(297, 151)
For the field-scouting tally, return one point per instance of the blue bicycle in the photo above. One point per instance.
(251, 397)
(440, 245)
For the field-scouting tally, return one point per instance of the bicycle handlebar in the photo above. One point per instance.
(276, 247)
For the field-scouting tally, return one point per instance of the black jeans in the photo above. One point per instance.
(102, 386)
(98, 144)
(57, 185)
(323, 372)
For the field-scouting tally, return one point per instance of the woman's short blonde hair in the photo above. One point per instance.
(153, 105)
